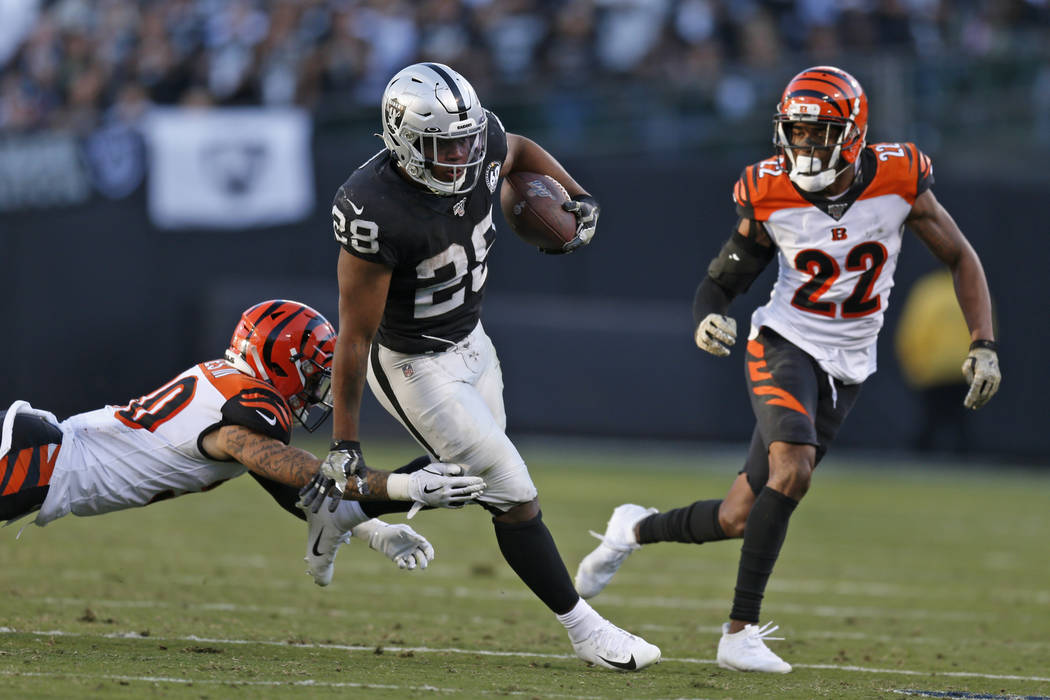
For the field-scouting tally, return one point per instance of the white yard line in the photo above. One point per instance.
(525, 654)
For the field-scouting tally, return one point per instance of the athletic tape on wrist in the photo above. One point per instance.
(344, 446)
(986, 344)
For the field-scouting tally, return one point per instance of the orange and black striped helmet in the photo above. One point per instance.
(825, 95)
(289, 346)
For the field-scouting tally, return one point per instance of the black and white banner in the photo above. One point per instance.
(229, 168)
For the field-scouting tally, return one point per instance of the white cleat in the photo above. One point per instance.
(598, 567)
(611, 647)
(746, 650)
(322, 544)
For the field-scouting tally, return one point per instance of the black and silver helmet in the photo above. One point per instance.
(435, 127)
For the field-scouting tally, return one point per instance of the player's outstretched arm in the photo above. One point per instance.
(437, 485)
(261, 454)
(935, 227)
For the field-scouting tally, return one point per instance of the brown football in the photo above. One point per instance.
(531, 205)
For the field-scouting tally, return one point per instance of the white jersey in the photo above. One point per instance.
(836, 257)
(150, 449)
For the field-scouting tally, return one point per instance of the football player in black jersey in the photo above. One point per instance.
(210, 424)
(415, 227)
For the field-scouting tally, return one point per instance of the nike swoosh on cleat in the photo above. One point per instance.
(321, 554)
(429, 490)
(629, 665)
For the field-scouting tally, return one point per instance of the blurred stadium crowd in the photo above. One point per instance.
(80, 63)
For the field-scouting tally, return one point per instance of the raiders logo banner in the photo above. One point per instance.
(229, 168)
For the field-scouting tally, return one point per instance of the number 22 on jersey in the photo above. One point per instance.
(824, 270)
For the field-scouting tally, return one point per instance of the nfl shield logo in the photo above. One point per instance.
(407, 371)
(460, 207)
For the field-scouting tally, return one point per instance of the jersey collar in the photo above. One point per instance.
(836, 208)
(435, 202)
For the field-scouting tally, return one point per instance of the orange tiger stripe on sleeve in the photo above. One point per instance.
(903, 170)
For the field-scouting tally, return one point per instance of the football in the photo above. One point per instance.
(531, 205)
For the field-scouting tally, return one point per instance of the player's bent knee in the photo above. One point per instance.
(520, 513)
(732, 519)
(791, 467)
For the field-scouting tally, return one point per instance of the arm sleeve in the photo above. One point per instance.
(709, 299)
(260, 409)
(730, 274)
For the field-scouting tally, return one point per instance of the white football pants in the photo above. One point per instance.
(452, 404)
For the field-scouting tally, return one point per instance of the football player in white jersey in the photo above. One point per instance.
(832, 211)
(211, 423)
(415, 227)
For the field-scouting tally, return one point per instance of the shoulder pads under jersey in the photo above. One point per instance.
(764, 188)
(903, 170)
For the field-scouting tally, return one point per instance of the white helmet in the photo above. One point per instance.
(432, 120)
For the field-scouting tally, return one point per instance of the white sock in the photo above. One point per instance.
(348, 515)
(580, 621)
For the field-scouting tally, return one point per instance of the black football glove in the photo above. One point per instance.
(344, 461)
(585, 208)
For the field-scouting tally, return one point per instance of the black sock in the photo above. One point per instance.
(530, 550)
(696, 523)
(374, 509)
(764, 534)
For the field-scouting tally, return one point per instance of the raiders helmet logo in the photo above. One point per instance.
(395, 114)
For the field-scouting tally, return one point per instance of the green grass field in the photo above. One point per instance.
(897, 580)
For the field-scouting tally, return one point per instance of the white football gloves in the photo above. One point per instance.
(400, 543)
(716, 334)
(436, 485)
(981, 370)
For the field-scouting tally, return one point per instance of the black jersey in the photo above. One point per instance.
(436, 246)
